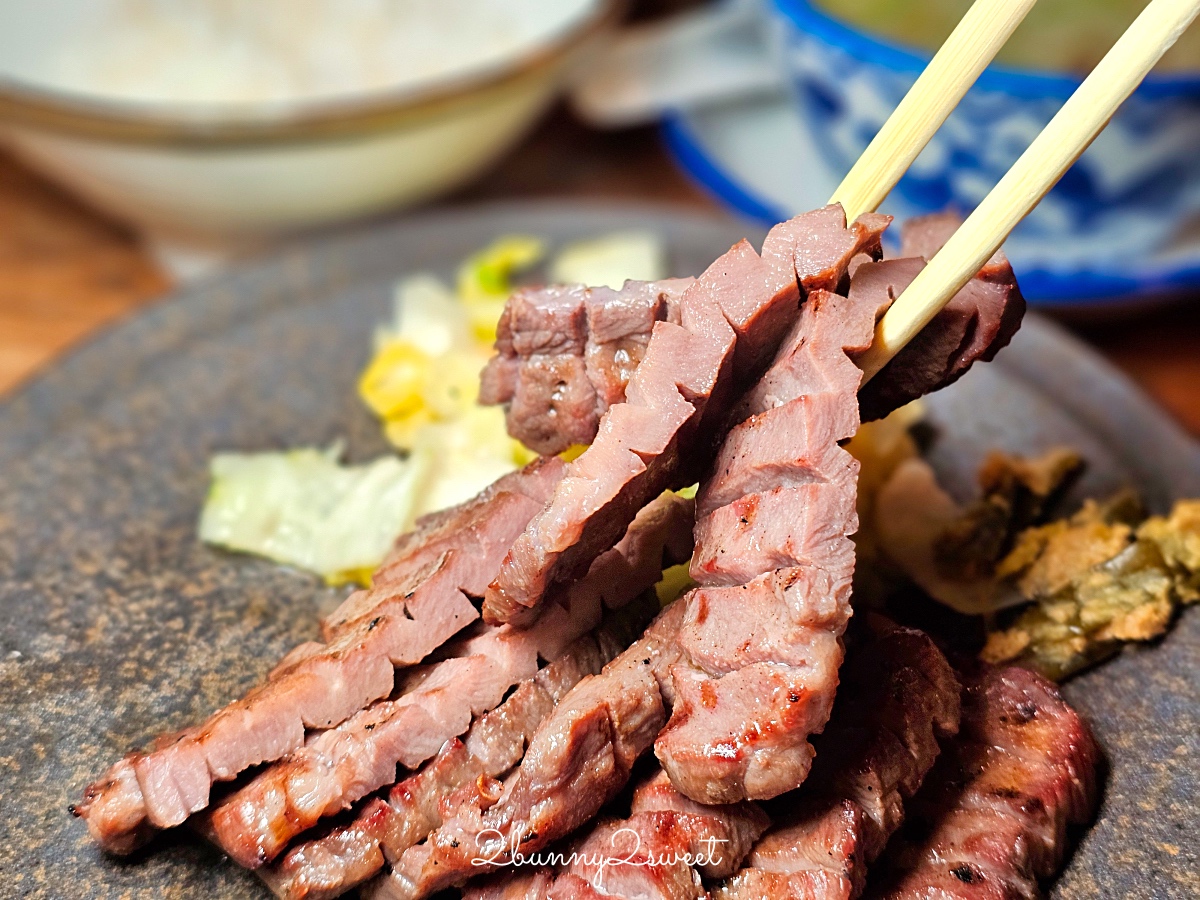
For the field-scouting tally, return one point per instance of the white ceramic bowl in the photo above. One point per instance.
(182, 176)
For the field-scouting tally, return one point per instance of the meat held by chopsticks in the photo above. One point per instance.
(992, 817)
(341, 765)
(761, 635)
(350, 854)
(602, 336)
(773, 555)
(980, 319)
(420, 600)
(603, 726)
(676, 404)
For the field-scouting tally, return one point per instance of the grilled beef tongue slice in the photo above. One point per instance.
(761, 641)
(555, 389)
(730, 321)
(663, 848)
(773, 556)
(979, 322)
(350, 854)
(420, 601)
(898, 699)
(564, 354)
(991, 818)
(579, 759)
(340, 766)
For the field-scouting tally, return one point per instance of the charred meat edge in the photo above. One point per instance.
(992, 817)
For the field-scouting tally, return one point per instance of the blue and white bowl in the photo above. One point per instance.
(1136, 188)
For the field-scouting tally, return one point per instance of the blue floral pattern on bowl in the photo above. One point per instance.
(1135, 188)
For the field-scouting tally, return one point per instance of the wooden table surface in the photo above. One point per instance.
(67, 271)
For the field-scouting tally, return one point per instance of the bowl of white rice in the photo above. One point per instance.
(198, 119)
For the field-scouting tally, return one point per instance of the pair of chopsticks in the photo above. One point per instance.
(949, 75)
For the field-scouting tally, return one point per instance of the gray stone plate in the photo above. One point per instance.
(115, 624)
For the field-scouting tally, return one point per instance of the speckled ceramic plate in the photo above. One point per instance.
(116, 624)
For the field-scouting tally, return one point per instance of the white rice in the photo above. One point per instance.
(277, 52)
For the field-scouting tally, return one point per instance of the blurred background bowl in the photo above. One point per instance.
(1136, 188)
(212, 172)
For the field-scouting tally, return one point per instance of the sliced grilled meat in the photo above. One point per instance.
(600, 337)
(350, 854)
(565, 354)
(578, 760)
(421, 601)
(662, 849)
(898, 698)
(991, 819)
(774, 520)
(747, 662)
(340, 766)
(731, 320)
(975, 325)
(761, 641)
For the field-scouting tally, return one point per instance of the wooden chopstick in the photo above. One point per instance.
(1069, 133)
(956, 66)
